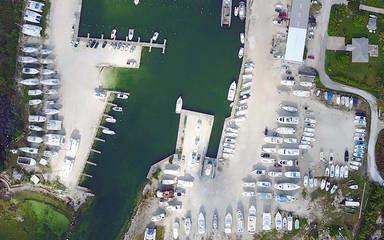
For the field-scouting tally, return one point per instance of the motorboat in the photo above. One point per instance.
(175, 231)
(290, 140)
(50, 111)
(309, 139)
(360, 130)
(292, 174)
(231, 91)
(26, 161)
(36, 92)
(45, 51)
(310, 120)
(252, 219)
(288, 151)
(46, 72)
(35, 128)
(215, 223)
(354, 163)
(34, 139)
(122, 96)
(50, 154)
(241, 10)
(108, 131)
(310, 182)
(278, 221)
(187, 226)
(73, 146)
(228, 223)
(179, 105)
(249, 184)
(327, 185)
(286, 186)
(236, 11)
(286, 130)
(331, 158)
(24, 59)
(269, 150)
(30, 71)
(248, 193)
(241, 53)
(31, 30)
(322, 156)
(242, 38)
(301, 93)
(130, 34)
(201, 223)
(155, 36)
(50, 82)
(29, 49)
(36, 118)
(268, 160)
(353, 167)
(258, 172)
(337, 171)
(46, 61)
(309, 129)
(332, 171)
(54, 139)
(297, 224)
(158, 217)
(308, 134)
(285, 198)
(265, 196)
(334, 188)
(346, 172)
(267, 221)
(240, 222)
(273, 140)
(50, 91)
(117, 109)
(275, 174)
(288, 120)
(113, 33)
(289, 108)
(305, 180)
(287, 82)
(136, 2)
(306, 84)
(263, 184)
(29, 150)
(110, 120)
(290, 222)
(322, 185)
(150, 234)
(305, 146)
(285, 222)
(34, 102)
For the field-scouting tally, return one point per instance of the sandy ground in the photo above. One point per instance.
(81, 110)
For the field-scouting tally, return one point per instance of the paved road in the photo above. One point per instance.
(371, 9)
(326, 81)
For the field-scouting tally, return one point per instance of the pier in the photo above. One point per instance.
(112, 104)
(99, 139)
(92, 163)
(96, 151)
(87, 175)
(117, 92)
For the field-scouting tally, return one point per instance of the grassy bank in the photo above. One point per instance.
(379, 152)
(29, 215)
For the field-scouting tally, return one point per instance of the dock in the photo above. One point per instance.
(112, 104)
(96, 151)
(87, 175)
(99, 139)
(92, 163)
(118, 92)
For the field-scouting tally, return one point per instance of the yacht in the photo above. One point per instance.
(286, 82)
(117, 109)
(288, 151)
(130, 34)
(31, 30)
(33, 102)
(242, 38)
(286, 130)
(228, 223)
(241, 53)
(29, 150)
(275, 174)
(23, 59)
(47, 72)
(50, 91)
(236, 11)
(252, 219)
(54, 139)
(290, 222)
(136, 2)
(267, 221)
(50, 154)
(240, 222)
(35, 6)
(301, 93)
(289, 108)
(150, 234)
(201, 223)
(50, 111)
(290, 140)
(36, 92)
(231, 91)
(179, 105)
(286, 186)
(29, 49)
(122, 96)
(36, 118)
(30, 71)
(34, 139)
(187, 226)
(113, 34)
(273, 140)
(26, 161)
(288, 120)
(242, 10)
(306, 84)
(155, 36)
(110, 120)
(278, 221)
(50, 82)
(35, 128)
(108, 131)
(73, 146)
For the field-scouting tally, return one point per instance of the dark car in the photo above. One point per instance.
(311, 57)
(104, 44)
(288, 72)
(93, 43)
(290, 78)
(278, 165)
(97, 44)
(346, 156)
(89, 43)
(265, 155)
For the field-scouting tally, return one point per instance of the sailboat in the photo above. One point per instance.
(252, 219)
(201, 223)
(242, 38)
(231, 91)
(228, 223)
(240, 222)
(179, 105)
(30, 71)
(30, 82)
(187, 226)
(278, 221)
(241, 53)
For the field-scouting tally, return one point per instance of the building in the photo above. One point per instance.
(297, 31)
(359, 49)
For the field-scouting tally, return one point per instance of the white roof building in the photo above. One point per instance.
(297, 32)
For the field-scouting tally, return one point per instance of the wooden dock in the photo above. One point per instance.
(96, 151)
(99, 139)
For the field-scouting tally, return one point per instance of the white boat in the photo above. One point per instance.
(309, 139)
(108, 131)
(285, 223)
(278, 221)
(305, 146)
(242, 38)
(309, 120)
(338, 99)
(354, 163)
(231, 91)
(331, 158)
(26, 161)
(332, 171)
(248, 194)
(29, 150)
(36, 92)
(110, 120)
(301, 93)
(269, 150)
(252, 219)
(46, 72)
(168, 181)
(286, 186)
(23, 59)
(305, 180)
(34, 139)
(285, 198)
(33, 102)
(249, 184)
(175, 231)
(258, 172)
(158, 217)
(288, 120)
(263, 184)
(46, 61)
(326, 173)
(360, 130)
(292, 174)
(273, 140)
(306, 84)
(241, 10)
(268, 160)
(236, 11)
(155, 36)
(353, 167)
(50, 154)
(150, 234)
(286, 130)
(113, 33)
(346, 172)
(215, 223)
(290, 140)
(287, 82)
(288, 151)
(275, 174)
(327, 185)
(73, 146)
(54, 139)
(322, 185)
(308, 134)
(50, 111)
(240, 222)
(228, 223)
(131, 32)
(289, 108)
(187, 226)
(179, 105)
(334, 188)
(241, 53)
(136, 2)
(122, 96)
(290, 222)
(297, 224)
(30, 71)
(45, 51)
(31, 30)
(29, 49)
(248, 76)
(117, 109)
(337, 171)
(184, 183)
(267, 221)
(35, 128)
(311, 182)
(50, 82)
(308, 129)
(346, 101)
(201, 223)
(36, 118)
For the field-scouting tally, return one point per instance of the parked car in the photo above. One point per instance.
(311, 57)
(104, 44)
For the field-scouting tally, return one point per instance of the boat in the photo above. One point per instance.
(50, 111)
(305, 180)
(289, 108)
(354, 187)
(269, 150)
(241, 53)
(36, 92)
(108, 131)
(31, 30)
(308, 134)
(248, 194)
(228, 223)
(242, 38)
(130, 34)
(290, 222)
(327, 185)
(332, 171)
(334, 188)
(29, 49)
(301, 93)
(288, 151)
(265, 196)
(150, 234)
(286, 186)
(252, 219)
(278, 221)
(236, 11)
(46, 61)
(360, 130)
(354, 163)
(285, 198)
(288, 120)
(285, 222)
(158, 217)
(226, 13)
(273, 140)
(308, 129)
(175, 231)
(267, 221)
(353, 167)
(34, 139)
(240, 222)
(179, 105)
(29, 150)
(35, 128)
(73, 146)
(50, 82)
(309, 139)
(292, 174)
(215, 223)
(326, 172)
(249, 184)
(275, 174)
(136, 2)
(322, 185)
(201, 223)
(155, 36)
(258, 172)
(310, 120)
(287, 82)
(290, 140)
(36, 118)
(23, 59)
(113, 34)
(331, 158)
(268, 160)
(297, 224)
(346, 172)
(50, 154)
(187, 226)
(231, 91)
(30, 71)
(286, 130)
(110, 120)
(337, 171)
(26, 161)
(46, 72)
(241, 10)
(311, 182)
(122, 96)
(263, 184)
(117, 109)
(33, 102)
(306, 84)
(45, 51)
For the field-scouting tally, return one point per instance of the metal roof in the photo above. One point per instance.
(359, 48)
(299, 13)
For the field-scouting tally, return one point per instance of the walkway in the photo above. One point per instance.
(327, 82)
(371, 9)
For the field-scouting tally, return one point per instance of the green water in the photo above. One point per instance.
(199, 64)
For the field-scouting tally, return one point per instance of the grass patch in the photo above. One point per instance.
(379, 152)
(44, 17)
(373, 3)
(155, 175)
(160, 231)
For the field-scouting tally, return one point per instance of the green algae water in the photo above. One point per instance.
(200, 63)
